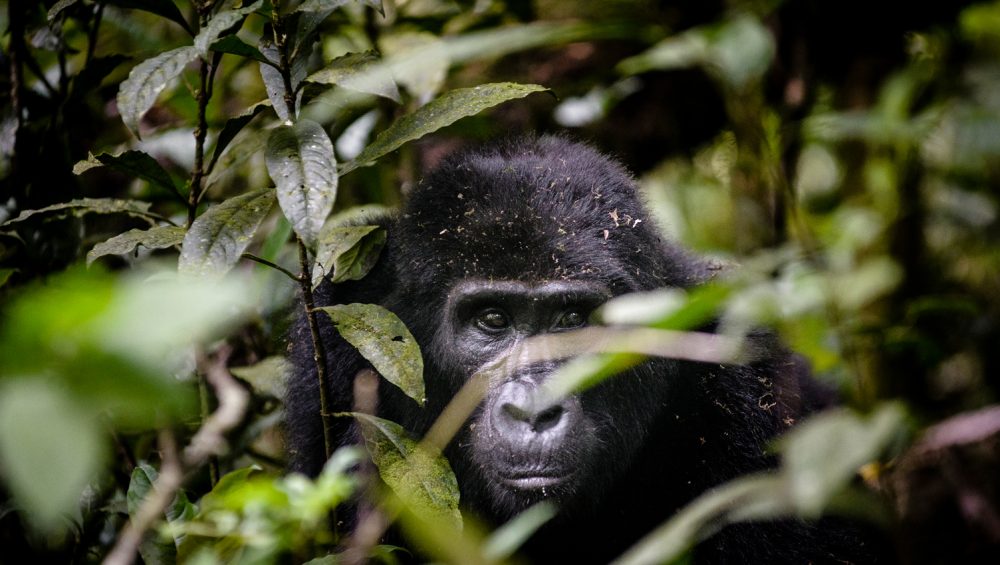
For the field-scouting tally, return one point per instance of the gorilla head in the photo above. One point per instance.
(524, 239)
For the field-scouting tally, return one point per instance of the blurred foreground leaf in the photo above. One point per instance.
(50, 448)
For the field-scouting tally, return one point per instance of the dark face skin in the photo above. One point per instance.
(526, 445)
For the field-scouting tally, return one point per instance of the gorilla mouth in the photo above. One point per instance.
(535, 480)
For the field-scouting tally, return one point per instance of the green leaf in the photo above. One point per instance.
(147, 80)
(233, 45)
(50, 448)
(737, 51)
(132, 163)
(347, 252)
(217, 239)
(159, 237)
(446, 110)
(233, 126)
(154, 548)
(823, 454)
(422, 480)
(382, 339)
(83, 206)
(220, 23)
(165, 8)
(363, 72)
(418, 61)
(268, 376)
(300, 160)
(506, 539)
(274, 84)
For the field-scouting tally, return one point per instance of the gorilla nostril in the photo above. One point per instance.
(547, 418)
(516, 412)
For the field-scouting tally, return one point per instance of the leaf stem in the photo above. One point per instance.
(264, 261)
(319, 353)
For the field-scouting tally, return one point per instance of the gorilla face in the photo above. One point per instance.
(522, 443)
(520, 439)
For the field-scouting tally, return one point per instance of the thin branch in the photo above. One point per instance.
(263, 261)
(319, 352)
(208, 441)
(163, 491)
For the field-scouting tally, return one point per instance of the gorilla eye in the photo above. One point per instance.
(572, 319)
(492, 320)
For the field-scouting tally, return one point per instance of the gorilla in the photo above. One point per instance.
(528, 237)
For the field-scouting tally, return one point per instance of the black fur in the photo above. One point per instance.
(544, 210)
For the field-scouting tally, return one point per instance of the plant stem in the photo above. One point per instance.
(319, 353)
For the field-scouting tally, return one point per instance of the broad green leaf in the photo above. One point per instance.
(5, 275)
(147, 80)
(347, 253)
(300, 160)
(218, 238)
(424, 74)
(821, 456)
(267, 377)
(132, 163)
(154, 548)
(83, 206)
(50, 448)
(737, 51)
(233, 45)
(274, 84)
(233, 126)
(423, 480)
(382, 339)
(446, 110)
(159, 237)
(220, 23)
(363, 72)
(165, 8)
(587, 371)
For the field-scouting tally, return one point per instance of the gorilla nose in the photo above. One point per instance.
(538, 421)
(520, 415)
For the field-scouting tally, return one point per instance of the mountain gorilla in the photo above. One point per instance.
(529, 237)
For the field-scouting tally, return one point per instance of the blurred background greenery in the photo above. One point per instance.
(845, 154)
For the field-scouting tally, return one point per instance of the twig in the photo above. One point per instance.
(163, 491)
(319, 352)
(263, 261)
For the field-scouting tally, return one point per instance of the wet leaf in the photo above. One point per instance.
(422, 480)
(446, 110)
(159, 237)
(132, 163)
(300, 160)
(347, 253)
(147, 80)
(219, 237)
(235, 46)
(363, 72)
(84, 206)
(221, 23)
(383, 340)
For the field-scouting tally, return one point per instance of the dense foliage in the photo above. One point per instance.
(173, 173)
